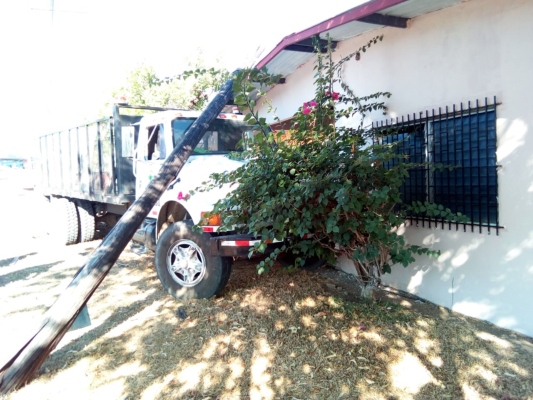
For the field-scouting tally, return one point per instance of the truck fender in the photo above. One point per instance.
(171, 211)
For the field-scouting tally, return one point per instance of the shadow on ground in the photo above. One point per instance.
(280, 335)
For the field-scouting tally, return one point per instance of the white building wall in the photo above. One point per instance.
(473, 50)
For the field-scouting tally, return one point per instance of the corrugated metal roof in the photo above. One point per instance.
(345, 26)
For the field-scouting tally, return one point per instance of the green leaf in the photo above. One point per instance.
(240, 99)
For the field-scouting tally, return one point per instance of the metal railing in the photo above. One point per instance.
(461, 141)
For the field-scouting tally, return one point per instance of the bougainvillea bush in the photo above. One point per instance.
(322, 188)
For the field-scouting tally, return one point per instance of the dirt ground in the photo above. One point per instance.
(302, 335)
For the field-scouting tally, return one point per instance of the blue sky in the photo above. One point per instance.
(58, 73)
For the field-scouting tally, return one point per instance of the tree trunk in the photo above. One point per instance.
(22, 366)
(368, 292)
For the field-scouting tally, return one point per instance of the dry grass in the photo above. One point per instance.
(282, 335)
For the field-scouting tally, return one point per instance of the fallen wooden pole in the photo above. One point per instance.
(22, 366)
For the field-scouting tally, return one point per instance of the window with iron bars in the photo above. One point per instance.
(463, 137)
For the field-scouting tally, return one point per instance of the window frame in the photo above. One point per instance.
(211, 132)
(487, 204)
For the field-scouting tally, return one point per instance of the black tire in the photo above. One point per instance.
(310, 264)
(65, 220)
(86, 228)
(228, 261)
(198, 275)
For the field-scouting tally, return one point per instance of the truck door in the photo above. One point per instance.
(151, 154)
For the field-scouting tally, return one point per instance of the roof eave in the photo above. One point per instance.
(354, 14)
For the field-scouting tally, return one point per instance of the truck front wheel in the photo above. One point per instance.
(184, 265)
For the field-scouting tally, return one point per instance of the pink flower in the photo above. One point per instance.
(306, 105)
(333, 95)
(182, 197)
(306, 110)
(312, 103)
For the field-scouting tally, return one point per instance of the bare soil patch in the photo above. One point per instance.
(301, 335)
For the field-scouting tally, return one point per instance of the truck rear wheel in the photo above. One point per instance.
(66, 220)
(86, 220)
(184, 265)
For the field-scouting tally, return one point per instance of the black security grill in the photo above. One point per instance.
(462, 137)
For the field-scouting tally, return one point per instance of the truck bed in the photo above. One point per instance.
(87, 161)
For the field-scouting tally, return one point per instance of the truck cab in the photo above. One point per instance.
(158, 134)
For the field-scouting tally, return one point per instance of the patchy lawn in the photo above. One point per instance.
(283, 335)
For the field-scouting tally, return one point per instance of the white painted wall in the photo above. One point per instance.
(465, 52)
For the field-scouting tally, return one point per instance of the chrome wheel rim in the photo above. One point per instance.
(186, 263)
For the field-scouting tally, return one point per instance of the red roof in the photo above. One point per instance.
(295, 50)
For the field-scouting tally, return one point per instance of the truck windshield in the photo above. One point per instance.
(222, 136)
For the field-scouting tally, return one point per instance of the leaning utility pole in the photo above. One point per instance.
(22, 366)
